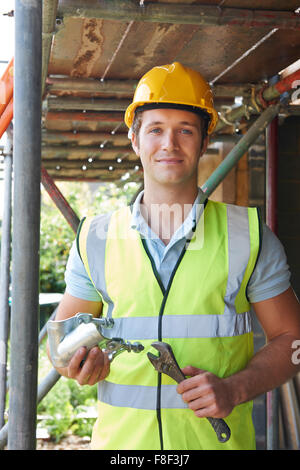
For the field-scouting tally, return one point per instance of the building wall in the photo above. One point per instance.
(289, 195)
(226, 190)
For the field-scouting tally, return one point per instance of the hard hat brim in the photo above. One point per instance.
(144, 105)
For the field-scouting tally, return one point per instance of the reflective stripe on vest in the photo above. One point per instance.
(204, 314)
(184, 326)
(133, 398)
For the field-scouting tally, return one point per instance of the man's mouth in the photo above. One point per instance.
(169, 160)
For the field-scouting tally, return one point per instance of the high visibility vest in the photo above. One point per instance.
(204, 314)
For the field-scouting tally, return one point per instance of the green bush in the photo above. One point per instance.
(56, 235)
(58, 414)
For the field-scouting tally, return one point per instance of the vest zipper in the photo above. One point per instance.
(159, 333)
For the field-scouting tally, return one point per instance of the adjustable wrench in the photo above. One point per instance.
(166, 363)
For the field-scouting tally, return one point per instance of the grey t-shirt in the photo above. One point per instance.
(270, 277)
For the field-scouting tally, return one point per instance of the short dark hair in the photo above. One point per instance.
(137, 120)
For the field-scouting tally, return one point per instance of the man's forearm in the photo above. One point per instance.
(270, 367)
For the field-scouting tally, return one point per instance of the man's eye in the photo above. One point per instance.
(186, 131)
(155, 130)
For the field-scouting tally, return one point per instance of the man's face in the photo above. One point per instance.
(169, 145)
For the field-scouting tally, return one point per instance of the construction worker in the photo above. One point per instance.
(178, 268)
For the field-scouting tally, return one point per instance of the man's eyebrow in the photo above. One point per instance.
(182, 123)
(188, 123)
(154, 123)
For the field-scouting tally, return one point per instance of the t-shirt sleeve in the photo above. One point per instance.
(77, 280)
(271, 275)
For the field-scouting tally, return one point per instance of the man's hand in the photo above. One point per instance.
(95, 367)
(96, 364)
(205, 393)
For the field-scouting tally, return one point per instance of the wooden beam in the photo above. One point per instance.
(90, 86)
(94, 178)
(88, 116)
(91, 174)
(100, 104)
(85, 138)
(83, 152)
(66, 85)
(202, 15)
(91, 139)
(94, 104)
(60, 164)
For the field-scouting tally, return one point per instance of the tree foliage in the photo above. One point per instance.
(56, 234)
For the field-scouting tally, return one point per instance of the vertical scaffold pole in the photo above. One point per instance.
(5, 271)
(272, 397)
(26, 225)
(271, 174)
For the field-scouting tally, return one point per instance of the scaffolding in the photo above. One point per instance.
(22, 155)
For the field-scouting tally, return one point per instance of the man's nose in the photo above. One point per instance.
(170, 141)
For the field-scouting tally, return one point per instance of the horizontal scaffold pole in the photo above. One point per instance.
(176, 13)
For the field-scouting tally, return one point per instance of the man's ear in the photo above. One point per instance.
(134, 143)
(204, 146)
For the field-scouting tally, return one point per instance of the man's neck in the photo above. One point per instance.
(173, 194)
(165, 209)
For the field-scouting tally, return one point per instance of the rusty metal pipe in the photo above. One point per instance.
(261, 97)
(271, 220)
(59, 200)
(286, 84)
(6, 117)
(271, 174)
(6, 86)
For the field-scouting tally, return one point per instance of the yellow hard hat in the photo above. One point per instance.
(177, 85)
